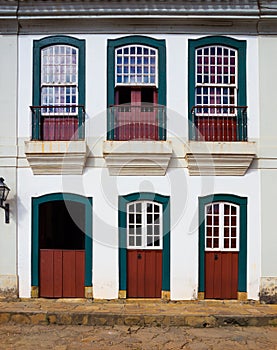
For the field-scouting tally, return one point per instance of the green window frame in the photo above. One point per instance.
(38, 45)
(240, 47)
(123, 201)
(113, 44)
(241, 202)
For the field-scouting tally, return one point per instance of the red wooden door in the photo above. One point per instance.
(221, 276)
(62, 273)
(144, 273)
(138, 120)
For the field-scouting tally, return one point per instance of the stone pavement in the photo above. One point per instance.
(57, 337)
(139, 313)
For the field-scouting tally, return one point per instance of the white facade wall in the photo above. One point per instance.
(184, 190)
(268, 163)
(8, 153)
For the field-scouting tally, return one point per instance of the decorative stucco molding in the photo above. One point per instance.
(219, 158)
(56, 157)
(137, 157)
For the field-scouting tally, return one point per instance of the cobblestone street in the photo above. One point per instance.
(29, 337)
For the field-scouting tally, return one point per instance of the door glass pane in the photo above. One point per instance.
(144, 225)
(221, 228)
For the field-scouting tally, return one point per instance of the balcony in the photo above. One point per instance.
(58, 123)
(141, 122)
(136, 140)
(57, 145)
(218, 141)
(219, 123)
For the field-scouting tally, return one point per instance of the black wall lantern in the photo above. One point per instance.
(4, 191)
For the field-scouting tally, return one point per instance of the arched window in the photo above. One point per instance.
(59, 79)
(217, 89)
(136, 65)
(136, 89)
(216, 80)
(58, 111)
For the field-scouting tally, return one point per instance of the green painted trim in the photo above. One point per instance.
(37, 47)
(142, 40)
(87, 201)
(240, 46)
(122, 219)
(242, 202)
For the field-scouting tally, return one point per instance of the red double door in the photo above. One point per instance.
(144, 273)
(137, 115)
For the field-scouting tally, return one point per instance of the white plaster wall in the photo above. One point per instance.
(8, 149)
(8, 88)
(268, 152)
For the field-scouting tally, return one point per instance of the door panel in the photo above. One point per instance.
(221, 275)
(62, 273)
(132, 120)
(144, 273)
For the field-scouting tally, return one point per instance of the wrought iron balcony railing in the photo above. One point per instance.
(144, 122)
(219, 123)
(58, 123)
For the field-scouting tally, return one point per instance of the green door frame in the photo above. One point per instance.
(242, 203)
(36, 202)
(122, 219)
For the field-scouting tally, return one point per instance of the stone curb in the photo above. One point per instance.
(112, 319)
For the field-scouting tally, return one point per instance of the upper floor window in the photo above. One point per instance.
(217, 90)
(136, 89)
(59, 84)
(58, 100)
(136, 65)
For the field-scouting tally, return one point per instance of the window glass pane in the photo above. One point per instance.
(138, 241)
(137, 59)
(149, 241)
(131, 240)
(216, 243)
(216, 65)
(59, 66)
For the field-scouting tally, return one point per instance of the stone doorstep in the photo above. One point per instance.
(129, 319)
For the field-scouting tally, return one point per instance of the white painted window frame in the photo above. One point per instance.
(136, 74)
(221, 227)
(144, 226)
(209, 84)
(70, 69)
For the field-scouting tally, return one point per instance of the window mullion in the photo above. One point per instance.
(221, 226)
(143, 221)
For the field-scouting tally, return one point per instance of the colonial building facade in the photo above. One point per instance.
(138, 140)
